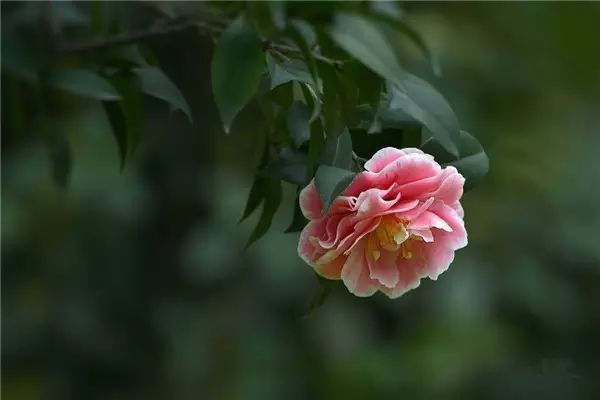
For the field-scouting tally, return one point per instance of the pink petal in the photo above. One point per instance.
(333, 269)
(408, 279)
(382, 158)
(355, 274)
(310, 202)
(428, 220)
(306, 248)
(384, 269)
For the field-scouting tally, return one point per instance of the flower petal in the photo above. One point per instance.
(310, 202)
(355, 274)
(384, 269)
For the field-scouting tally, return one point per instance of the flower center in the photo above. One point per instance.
(390, 235)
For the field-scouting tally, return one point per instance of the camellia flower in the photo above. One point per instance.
(398, 221)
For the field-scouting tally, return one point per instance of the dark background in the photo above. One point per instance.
(136, 285)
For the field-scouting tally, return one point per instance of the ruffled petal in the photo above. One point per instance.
(384, 268)
(355, 274)
(310, 202)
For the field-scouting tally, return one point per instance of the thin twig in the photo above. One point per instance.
(166, 29)
(133, 37)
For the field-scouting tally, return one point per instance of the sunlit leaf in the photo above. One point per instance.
(84, 83)
(154, 82)
(236, 69)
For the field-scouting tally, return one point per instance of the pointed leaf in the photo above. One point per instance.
(289, 165)
(331, 182)
(236, 69)
(270, 206)
(337, 151)
(154, 82)
(298, 219)
(84, 83)
(424, 103)
(287, 71)
(362, 39)
(118, 124)
(298, 122)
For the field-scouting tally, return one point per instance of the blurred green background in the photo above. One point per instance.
(136, 285)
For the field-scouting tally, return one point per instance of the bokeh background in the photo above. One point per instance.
(136, 285)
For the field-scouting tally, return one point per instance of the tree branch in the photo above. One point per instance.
(139, 36)
(166, 29)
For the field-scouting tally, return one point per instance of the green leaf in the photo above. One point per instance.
(331, 182)
(287, 71)
(272, 200)
(315, 147)
(118, 124)
(298, 220)
(156, 83)
(298, 122)
(257, 191)
(472, 163)
(84, 83)
(424, 103)
(363, 40)
(289, 165)
(131, 107)
(236, 69)
(337, 151)
(395, 21)
(304, 36)
(322, 293)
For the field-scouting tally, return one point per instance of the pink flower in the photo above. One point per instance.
(399, 220)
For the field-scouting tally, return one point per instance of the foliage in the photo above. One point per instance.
(330, 82)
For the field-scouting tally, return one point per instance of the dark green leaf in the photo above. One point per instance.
(287, 71)
(84, 83)
(156, 83)
(396, 21)
(298, 123)
(424, 103)
(315, 147)
(272, 196)
(118, 123)
(331, 182)
(302, 33)
(337, 151)
(362, 39)
(289, 165)
(298, 219)
(322, 293)
(236, 69)
(472, 163)
(131, 107)
(306, 30)
(257, 191)
(278, 11)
